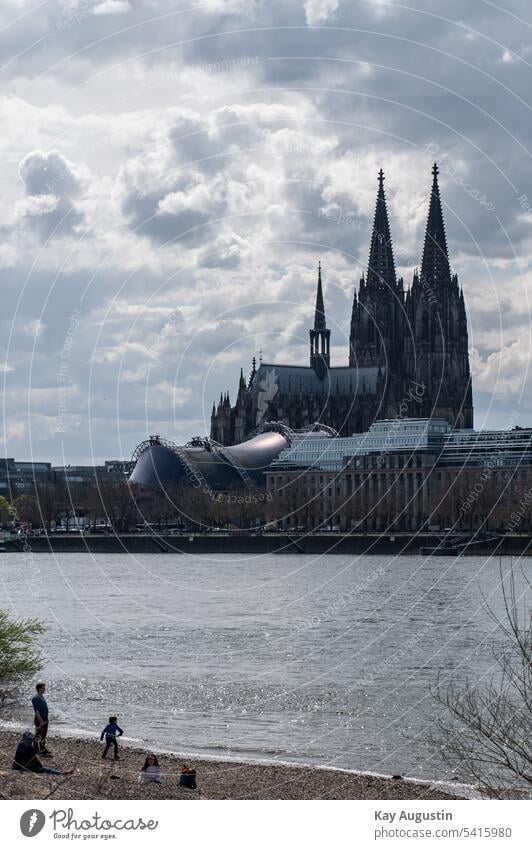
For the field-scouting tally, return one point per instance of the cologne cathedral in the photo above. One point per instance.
(408, 351)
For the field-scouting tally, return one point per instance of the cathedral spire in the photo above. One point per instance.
(381, 267)
(319, 315)
(435, 263)
(320, 335)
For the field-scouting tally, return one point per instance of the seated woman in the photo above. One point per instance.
(151, 771)
(26, 759)
(188, 778)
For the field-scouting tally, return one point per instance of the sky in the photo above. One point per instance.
(171, 173)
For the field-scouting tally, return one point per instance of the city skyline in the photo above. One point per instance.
(163, 214)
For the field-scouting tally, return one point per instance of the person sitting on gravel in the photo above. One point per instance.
(188, 778)
(151, 771)
(26, 759)
(111, 732)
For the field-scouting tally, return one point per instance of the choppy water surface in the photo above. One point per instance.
(322, 659)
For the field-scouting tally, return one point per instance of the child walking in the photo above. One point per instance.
(111, 732)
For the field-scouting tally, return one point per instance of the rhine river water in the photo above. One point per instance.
(318, 659)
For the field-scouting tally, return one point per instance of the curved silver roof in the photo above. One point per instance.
(205, 463)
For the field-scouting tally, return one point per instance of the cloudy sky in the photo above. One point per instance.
(171, 173)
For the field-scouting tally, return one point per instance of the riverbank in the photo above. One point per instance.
(270, 543)
(97, 779)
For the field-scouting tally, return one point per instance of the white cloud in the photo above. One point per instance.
(505, 374)
(112, 7)
(508, 56)
(35, 328)
(319, 11)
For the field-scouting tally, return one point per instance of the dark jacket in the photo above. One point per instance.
(188, 778)
(26, 759)
(111, 730)
(40, 705)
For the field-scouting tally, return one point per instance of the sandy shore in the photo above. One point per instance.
(97, 779)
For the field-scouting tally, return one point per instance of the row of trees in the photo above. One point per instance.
(466, 500)
(49, 505)
(115, 503)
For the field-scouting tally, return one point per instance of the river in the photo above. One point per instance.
(314, 659)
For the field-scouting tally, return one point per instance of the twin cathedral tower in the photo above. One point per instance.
(408, 350)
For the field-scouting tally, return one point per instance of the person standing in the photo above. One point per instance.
(40, 706)
(111, 732)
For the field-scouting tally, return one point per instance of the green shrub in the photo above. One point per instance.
(19, 656)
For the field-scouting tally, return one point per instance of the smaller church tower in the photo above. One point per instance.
(320, 336)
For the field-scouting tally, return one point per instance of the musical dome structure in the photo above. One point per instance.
(204, 463)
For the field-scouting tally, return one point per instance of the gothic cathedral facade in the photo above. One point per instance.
(408, 351)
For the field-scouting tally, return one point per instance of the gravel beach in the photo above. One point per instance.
(97, 779)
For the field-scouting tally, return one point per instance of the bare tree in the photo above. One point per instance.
(486, 731)
(25, 509)
(113, 500)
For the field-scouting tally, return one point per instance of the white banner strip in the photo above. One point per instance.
(220, 824)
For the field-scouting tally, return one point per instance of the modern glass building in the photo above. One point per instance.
(329, 454)
(487, 448)
(434, 436)
(17, 476)
(406, 475)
